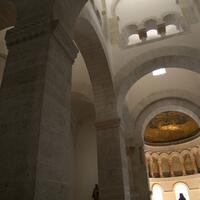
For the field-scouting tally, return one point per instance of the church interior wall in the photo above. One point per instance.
(167, 185)
(86, 172)
(127, 66)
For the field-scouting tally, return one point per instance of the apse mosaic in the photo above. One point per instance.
(170, 126)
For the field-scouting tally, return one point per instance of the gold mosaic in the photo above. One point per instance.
(169, 127)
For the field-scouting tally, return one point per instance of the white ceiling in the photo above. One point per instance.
(175, 80)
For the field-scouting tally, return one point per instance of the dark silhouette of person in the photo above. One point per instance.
(182, 197)
(95, 193)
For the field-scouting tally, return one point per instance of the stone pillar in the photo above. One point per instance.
(194, 163)
(161, 28)
(112, 161)
(160, 168)
(129, 158)
(171, 168)
(151, 168)
(183, 166)
(147, 163)
(140, 179)
(35, 139)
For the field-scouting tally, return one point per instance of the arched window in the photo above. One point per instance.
(157, 193)
(152, 34)
(134, 39)
(171, 29)
(181, 188)
(177, 167)
(165, 167)
(188, 164)
(155, 168)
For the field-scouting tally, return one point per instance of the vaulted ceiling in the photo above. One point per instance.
(113, 20)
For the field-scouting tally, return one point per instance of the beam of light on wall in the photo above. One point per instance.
(157, 193)
(181, 188)
(159, 72)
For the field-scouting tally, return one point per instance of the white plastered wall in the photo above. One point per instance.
(167, 185)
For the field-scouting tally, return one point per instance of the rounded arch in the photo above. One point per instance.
(165, 166)
(177, 167)
(171, 18)
(157, 192)
(150, 24)
(168, 57)
(155, 165)
(129, 30)
(187, 162)
(93, 53)
(161, 95)
(173, 104)
(181, 187)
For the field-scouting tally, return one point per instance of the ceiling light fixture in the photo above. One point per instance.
(159, 72)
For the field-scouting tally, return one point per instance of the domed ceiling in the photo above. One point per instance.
(170, 126)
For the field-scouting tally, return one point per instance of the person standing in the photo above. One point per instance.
(95, 193)
(182, 197)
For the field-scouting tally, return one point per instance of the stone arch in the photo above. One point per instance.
(181, 187)
(155, 171)
(173, 104)
(157, 191)
(173, 21)
(150, 24)
(129, 30)
(91, 46)
(169, 57)
(113, 7)
(93, 53)
(155, 167)
(89, 43)
(176, 165)
(161, 95)
(165, 165)
(187, 162)
(171, 18)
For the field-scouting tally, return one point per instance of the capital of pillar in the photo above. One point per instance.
(41, 27)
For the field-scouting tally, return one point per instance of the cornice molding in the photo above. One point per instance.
(38, 28)
(28, 31)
